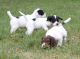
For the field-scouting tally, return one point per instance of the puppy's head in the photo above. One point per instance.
(54, 19)
(39, 12)
(48, 41)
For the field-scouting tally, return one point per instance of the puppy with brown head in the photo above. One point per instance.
(48, 41)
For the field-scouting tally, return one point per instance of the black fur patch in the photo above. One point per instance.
(53, 19)
(57, 17)
(17, 17)
(34, 19)
(40, 12)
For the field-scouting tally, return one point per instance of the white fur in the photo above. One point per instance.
(43, 44)
(42, 23)
(39, 23)
(15, 23)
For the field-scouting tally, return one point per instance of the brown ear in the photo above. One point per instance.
(53, 42)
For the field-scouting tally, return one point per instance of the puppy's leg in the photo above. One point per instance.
(13, 29)
(60, 42)
(29, 30)
(65, 39)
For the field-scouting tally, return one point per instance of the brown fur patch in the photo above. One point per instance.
(50, 41)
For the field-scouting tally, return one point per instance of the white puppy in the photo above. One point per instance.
(40, 23)
(15, 23)
(55, 35)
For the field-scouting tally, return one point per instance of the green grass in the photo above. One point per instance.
(20, 46)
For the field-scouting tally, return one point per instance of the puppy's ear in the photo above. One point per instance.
(59, 18)
(40, 12)
(51, 19)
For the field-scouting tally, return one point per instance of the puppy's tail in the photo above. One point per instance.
(9, 14)
(67, 20)
(23, 14)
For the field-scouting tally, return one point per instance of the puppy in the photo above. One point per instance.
(15, 22)
(55, 35)
(40, 23)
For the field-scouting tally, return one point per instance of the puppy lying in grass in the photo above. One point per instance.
(15, 22)
(56, 35)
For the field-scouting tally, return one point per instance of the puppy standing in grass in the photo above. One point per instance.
(40, 23)
(15, 22)
(56, 35)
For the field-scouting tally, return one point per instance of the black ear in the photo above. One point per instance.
(51, 19)
(59, 18)
(40, 12)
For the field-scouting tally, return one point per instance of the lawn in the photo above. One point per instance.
(21, 46)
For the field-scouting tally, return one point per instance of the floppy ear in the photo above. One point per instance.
(50, 18)
(59, 18)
